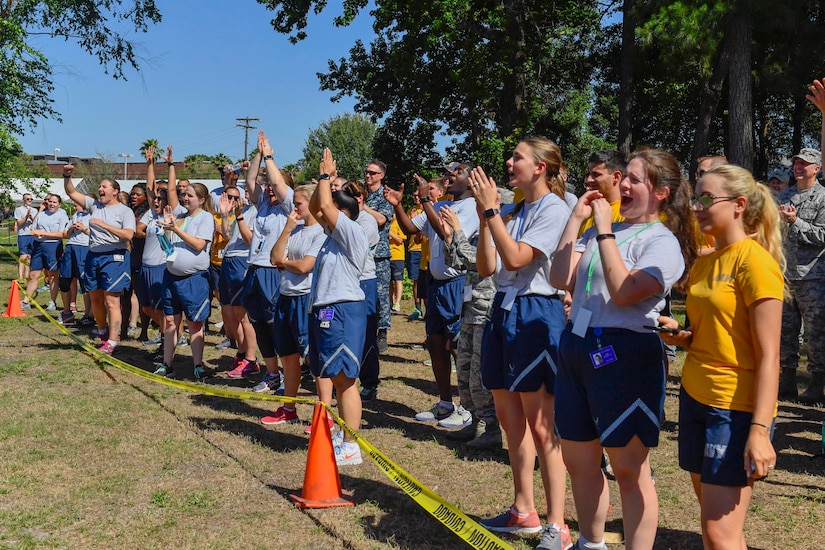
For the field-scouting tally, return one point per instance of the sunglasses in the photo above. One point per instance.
(371, 172)
(706, 201)
(233, 197)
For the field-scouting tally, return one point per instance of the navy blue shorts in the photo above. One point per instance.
(712, 442)
(616, 400)
(519, 351)
(337, 348)
(187, 294)
(444, 302)
(231, 283)
(370, 289)
(261, 291)
(25, 243)
(151, 291)
(73, 261)
(46, 256)
(292, 325)
(108, 271)
(397, 270)
(214, 273)
(413, 264)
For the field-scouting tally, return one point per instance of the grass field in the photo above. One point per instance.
(94, 457)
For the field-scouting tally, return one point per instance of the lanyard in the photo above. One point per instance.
(595, 258)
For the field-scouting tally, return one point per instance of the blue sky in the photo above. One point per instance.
(207, 63)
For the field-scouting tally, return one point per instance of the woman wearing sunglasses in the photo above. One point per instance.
(728, 399)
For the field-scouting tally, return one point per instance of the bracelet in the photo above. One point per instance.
(758, 424)
(238, 218)
(604, 236)
(267, 157)
(424, 199)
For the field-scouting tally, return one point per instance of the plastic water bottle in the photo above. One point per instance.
(164, 241)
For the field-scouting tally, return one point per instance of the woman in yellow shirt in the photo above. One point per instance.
(731, 375)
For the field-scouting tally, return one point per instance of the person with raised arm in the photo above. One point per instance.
(610, 383)
(520, 347)
(730, 379)
(338, 316)
(107, 270)
(445, 293)
(273, 199)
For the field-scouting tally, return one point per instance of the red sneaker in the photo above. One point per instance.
(244, 368)
(281, 416)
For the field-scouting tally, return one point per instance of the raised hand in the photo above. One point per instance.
(484, 189)
(394, 197)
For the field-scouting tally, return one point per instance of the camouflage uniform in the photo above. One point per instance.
(805, 274)
(376, 201)
(473, 396)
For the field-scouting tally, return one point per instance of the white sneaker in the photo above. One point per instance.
(348, 453)
(438, 412)
(51, 306)
(460, 418)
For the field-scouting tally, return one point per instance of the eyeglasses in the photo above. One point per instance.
(706, 201)
(371, 172)
(27, 198)
(233, 197)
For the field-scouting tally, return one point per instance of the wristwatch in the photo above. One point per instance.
(490, 212)
(324, 176)
(267, 157)
(425, 198)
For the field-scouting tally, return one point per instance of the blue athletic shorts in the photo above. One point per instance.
(108, 271)
(25, 243)
(444, 302)
(712, 442)
(73, 261)
(413, 264)
(519, 351)
(214, 272)
(231, 281)
(370, 289)
(397, 270)
(617, 400)
(337, 348)
(46, 256)
(151, 291)
(187, 294)
(292, 325)
(261, 291)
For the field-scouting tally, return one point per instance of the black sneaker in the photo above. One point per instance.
(382, 340)
(369, 394)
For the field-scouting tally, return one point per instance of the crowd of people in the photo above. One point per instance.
(554, 309)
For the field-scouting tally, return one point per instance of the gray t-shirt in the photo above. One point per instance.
(370, 227)
(643, 247)
(117, 215)
(21, 212)
(186, 260)
(268, 225)
(465, 209)
(153, 254)
(51, 222)
(79, 238)
(339, 265)
(304, 241)
(540, 225)
(236, 246)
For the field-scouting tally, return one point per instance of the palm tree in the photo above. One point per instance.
(150, 143)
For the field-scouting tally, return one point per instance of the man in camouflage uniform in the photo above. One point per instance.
(378, 207)
(802, 208)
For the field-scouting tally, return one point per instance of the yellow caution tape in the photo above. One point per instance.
(464, 527)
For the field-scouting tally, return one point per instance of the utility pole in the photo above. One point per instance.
(246, 126)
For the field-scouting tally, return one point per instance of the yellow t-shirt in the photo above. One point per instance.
(397, 250)
(721, 364)
(617, 217)
(413, 246)
(425, 254)
(218, 242)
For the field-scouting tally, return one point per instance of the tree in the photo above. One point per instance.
(151, 142)
(350, 138)
(26, 82)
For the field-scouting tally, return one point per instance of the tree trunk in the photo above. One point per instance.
(740, 84)
(626, 65)
(798, 118)
(515, 83)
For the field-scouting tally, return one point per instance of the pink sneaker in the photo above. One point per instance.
(243, 368)
(308, 429)
(106, 348)
(281, 416)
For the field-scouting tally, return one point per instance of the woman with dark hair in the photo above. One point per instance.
(338, 316)
(139, 202)
(610, 384)
(107, 270)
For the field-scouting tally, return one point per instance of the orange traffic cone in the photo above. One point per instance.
(322, 486)
(14, 309)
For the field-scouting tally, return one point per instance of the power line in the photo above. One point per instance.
(246, 126)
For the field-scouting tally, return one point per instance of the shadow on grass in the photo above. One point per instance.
(279, 442)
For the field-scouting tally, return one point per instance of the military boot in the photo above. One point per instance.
(816, 390)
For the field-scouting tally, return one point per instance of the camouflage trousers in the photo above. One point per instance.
(805, 306)
(382, 273)
(472, 395)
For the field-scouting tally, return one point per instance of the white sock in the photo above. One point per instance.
(585, 544)
(112, 343)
